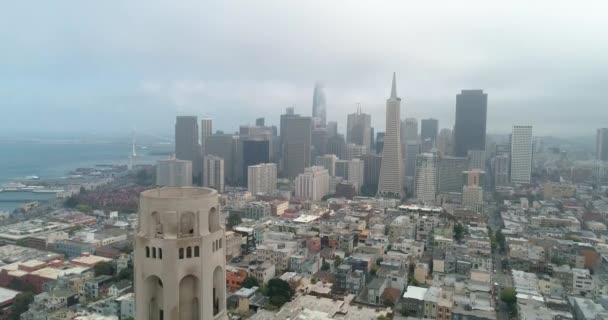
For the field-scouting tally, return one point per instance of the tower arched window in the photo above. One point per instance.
(153, 252)
(197, 251)
(214, 220)
(187, 224)
(181, 253)
(189, 252)
(147, 252)
(157, 226)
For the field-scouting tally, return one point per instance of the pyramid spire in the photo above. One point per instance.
(394, 87)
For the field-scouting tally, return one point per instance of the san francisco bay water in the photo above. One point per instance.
(55, 159)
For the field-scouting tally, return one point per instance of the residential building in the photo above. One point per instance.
(521, 154)
(313, 184)
(425, 189)
(174, 173)
(213, 173)
(262, 178)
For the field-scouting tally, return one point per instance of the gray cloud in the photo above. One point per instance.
(111, 65)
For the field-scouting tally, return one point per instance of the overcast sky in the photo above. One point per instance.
(106, 66)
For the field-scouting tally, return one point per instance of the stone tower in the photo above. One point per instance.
(179, 255)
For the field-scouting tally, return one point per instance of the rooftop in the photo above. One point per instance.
(178, 193)
(416, 293)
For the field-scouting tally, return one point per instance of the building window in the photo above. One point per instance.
(153, 252)
(220, 243)
(147, 252)
(189, 252)
(160, 253)
(181, 253)
(197, 251)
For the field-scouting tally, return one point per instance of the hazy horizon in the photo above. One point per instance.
(108, 67)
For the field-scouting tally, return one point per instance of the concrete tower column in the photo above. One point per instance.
(179, 255)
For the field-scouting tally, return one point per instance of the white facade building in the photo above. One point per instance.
(174, 173)
(521, 154)
(262, 178)
(213, 173)
(313, 184)
(425, 189)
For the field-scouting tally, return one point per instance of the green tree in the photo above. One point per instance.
(71, 202)
(250, 282)
(126, 274)
(374, 269)
(508, 296)
(22, 301)
(104, 268)
(388, 303)
(279, 291)
(20, 285)
(325, 266)
(458, 232)
(234, 220)
(501, 241)
(337, 261)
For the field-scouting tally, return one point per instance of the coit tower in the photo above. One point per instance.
(179, 255)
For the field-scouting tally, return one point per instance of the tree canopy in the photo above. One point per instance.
(278, 291)
(250, 282)
(104, 268)
(508, 296)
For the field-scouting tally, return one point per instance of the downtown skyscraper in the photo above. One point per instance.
(296, 140)
(470, 125)
(359, 129)
(391, 170)
(601, 144)
(187, 146)
(319, 111)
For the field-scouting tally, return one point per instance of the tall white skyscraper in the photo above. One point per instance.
(174, 173)
(213, 173)
(262, 178)
(425, 188)
(180, 260)
(313, 184)
(319, 112)
(521, 154)
(391, 170)
(206, 131)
